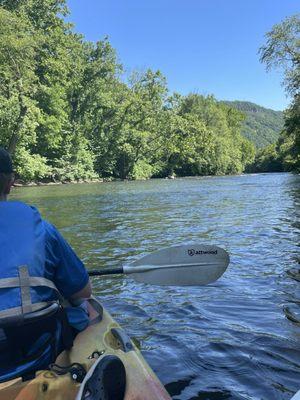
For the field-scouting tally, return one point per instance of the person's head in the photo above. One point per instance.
(6, 174)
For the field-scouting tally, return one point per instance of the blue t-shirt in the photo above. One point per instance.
(63, 266)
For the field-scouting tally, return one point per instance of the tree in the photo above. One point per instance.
(223, 150)
(18, 111)
(266, 160)
(42, 61)
(282, 50)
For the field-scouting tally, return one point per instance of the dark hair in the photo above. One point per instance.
(5, 162)
(6, 170)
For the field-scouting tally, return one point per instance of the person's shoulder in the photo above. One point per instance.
(50, 228)
(31, 211)
(15, 203)
(20, 206)
(52, 233)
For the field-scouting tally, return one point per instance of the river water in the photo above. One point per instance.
(227, 340)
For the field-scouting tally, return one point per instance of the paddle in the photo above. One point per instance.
(190, 264)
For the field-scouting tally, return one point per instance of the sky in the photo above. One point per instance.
(203, 46)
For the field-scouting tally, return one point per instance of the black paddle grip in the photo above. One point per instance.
(111, 271)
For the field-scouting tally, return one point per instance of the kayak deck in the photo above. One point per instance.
(102, 337)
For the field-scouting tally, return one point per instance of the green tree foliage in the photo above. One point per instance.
(289, 142)
(282, 49)
(266, 160)
(201, 137)
(66, 113)
(44, 59)
(18, 46)
(218, 145)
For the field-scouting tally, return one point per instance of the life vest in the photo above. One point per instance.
(24, 286)
(33, 325)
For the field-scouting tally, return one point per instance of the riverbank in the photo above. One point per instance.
(32, 184)
(20, 183)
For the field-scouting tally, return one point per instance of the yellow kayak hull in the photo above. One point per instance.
(102, 338)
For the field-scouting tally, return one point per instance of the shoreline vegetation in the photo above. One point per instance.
(69, 113)
(19, 183)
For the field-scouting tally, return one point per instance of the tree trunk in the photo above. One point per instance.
(16, 134)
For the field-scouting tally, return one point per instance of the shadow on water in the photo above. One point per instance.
(228, 340)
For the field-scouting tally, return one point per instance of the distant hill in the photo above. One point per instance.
(262, 125)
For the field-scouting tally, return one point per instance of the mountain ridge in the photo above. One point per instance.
(262, 125)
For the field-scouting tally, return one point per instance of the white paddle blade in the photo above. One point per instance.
(183, 265)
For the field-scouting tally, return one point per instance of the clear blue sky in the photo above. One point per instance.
(208, 46)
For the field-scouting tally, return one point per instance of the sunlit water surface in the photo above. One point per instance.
(227, 340)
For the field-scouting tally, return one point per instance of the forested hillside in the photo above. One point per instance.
(65, 113)
(262, 126)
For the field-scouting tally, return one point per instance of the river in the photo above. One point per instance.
(227, 340)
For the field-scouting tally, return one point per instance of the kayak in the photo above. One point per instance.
(102, 338)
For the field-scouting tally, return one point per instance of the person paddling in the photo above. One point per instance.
(37, 269)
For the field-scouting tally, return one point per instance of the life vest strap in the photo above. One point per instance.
(7, 283)
(24, 284)
(24, 281)
(17, 311)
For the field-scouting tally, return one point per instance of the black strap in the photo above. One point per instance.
(67, 333)
(76, 370)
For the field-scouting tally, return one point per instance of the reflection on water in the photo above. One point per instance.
(228, 340)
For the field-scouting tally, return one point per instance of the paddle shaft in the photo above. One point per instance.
(108, 271)
(141, 268)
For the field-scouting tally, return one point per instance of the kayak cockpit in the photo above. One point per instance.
(101, 341)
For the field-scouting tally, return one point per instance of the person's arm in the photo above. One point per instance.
(84, 293)
(68, 271)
